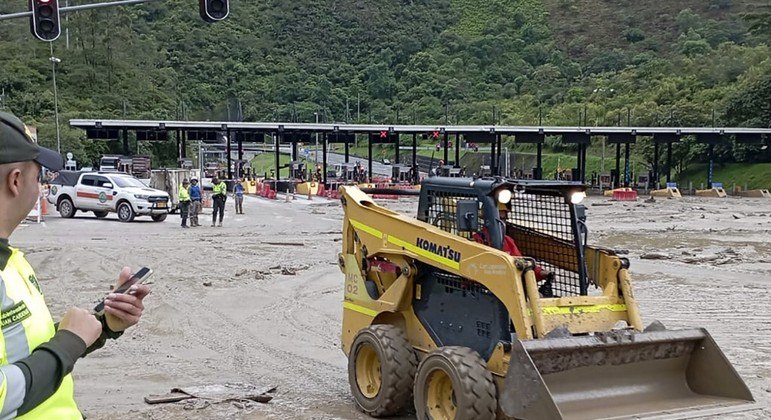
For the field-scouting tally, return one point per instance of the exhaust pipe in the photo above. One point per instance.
(621, 374)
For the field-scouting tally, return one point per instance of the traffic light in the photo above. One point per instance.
(214, 10)
(45, 19)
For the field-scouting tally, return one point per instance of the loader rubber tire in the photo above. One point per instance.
(381, 369)
(454, 383)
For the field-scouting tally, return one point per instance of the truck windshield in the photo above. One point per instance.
(125, 181)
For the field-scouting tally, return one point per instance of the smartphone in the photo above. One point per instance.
(137, 278)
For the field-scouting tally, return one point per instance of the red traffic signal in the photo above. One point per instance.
(214, 10)
(44, 22)
(435, 134)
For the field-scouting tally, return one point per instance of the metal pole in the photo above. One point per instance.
(316, 151)
(539, 161)
(669, 162)
(279, 139)
(324, 159)
(711, 153)
(398, 141)
(457, 150)
(415, 157)
(617, 181)
(227, 148)
(655, 180)
(446, 150)
(369, 157)
(626, 165)
(55, 60)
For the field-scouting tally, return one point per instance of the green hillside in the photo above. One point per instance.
(751, 176)
(592, 62)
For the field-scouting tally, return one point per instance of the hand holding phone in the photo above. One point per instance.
(137, 278)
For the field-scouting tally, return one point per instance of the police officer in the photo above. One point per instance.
(219, 196)
(184, 202)
(37, 356)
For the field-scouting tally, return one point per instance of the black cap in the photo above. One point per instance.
(17, 145)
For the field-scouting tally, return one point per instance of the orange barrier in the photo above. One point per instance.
(624, 194)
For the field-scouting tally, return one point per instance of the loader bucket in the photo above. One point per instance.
(621, 374)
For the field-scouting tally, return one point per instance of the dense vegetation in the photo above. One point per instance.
(592, 62)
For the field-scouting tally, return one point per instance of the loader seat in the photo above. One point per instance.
(509, 246)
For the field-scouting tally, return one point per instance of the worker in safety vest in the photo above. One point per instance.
(184, 201)
(36, 355)
(219, 196)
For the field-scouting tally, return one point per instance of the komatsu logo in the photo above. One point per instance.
(442, 251)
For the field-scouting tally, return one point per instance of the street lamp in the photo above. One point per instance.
(54, 62)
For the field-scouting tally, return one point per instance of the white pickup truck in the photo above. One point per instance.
(102, 193)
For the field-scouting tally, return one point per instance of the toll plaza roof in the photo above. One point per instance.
(279, 127)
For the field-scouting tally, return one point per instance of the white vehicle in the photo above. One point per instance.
(103, 193)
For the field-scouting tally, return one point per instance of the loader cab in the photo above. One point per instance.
(542, 218)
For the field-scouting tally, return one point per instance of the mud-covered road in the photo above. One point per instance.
(259, 301)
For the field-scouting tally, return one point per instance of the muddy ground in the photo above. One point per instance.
(259, 301)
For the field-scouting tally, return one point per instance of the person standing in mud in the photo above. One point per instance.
(238, 195)
(38, 354)
(219, 196)
(195, 202)
(184, 202)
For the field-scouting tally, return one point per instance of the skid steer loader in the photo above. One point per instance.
(492, 305)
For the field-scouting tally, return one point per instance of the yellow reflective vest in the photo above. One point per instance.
(220, 189)
(26, 324)
(184, 194)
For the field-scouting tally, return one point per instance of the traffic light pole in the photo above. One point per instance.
(80, 7)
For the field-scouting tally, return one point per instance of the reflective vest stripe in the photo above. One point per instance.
(14, 334)
(220, 188)
(27, 324)
(12, 391)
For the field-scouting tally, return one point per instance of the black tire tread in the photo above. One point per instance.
(475, 380)
(397, 370)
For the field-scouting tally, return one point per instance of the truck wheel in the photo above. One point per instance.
(381, 368)
(101, 214)
(454, 383)
(66, 208)
(125, 212)
(159, 217)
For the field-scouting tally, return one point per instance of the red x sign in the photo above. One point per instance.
(435, 134)
(383, 134)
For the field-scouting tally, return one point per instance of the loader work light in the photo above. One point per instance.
(577, 197)
(504, 196)
(44, 22)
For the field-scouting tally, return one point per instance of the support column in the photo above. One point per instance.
(584, 147)
(397, 149)
(626, 165)
(655, 180)
(369, 157)
(347, 150)
(579, 164)
(294, 150)
(279, 138)
(178, 138)
(324, 158)
(538, 174)
(617, 181)
(227, 152)
(499, 140)
(457, 150)
(184, 144)
(416, 172)
(446, 151)
(126, 149)
(710, 169)
(669, 162)
(493, 145)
